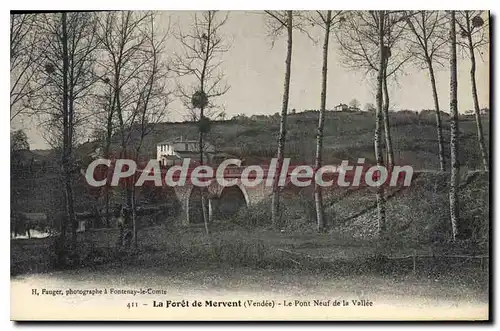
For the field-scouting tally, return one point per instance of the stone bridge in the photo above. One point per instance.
(222, 201)
(225, 201)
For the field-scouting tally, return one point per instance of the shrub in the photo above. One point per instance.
(255, 215)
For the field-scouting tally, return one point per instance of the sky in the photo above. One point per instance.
(254, 69)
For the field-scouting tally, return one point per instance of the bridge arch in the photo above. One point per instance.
(218, 198)
(231, 200)
(244, 192)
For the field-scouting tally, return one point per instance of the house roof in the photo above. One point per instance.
(189, 153)
(171, 157)
(174, 141)
(221, 154)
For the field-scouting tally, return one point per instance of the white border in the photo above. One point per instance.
(201, 5)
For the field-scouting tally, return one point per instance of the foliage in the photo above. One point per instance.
(199, 99)
(354, 103)
(19, 141)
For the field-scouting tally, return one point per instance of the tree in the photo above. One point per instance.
(454, 181)
(200, 61)
(394, 29)
(122, 46)
(19, 141)
(426, 45)
(153, 99)
(24, 71)
(67, 57)
(472, 29)
(381, 73)
(277, 22)
(359, 46)
(104, 114)
(371, 41)
(131, 56)
(369, 107)
(354, 104)
(123, 54)
(327, 22)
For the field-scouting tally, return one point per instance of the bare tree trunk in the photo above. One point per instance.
(200, 140)
(378, 128)
(71, 109)
(442, 162)
(387, 128)
(133, 205)
(134, 217)
(67, 188)
(123, 153)
(318, 194)
(204, 204)
(70, 204)
(109, 134)
(275, 211)
(479, 125)
(454, 211)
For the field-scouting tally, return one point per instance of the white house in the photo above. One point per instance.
(173, 151)
(341, 107)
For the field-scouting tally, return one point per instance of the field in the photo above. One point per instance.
(238, 263)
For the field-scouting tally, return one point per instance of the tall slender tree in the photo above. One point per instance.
(455, 166)
(327, 22)
(472, 29)
(129, 64)
(104, 114)
(279, 21)
(67, 55)
(150, 107)
(427, 46)
(385, 107)
(121, 52)
(359, 47)
(200, 63)
(379, 122)
(371, 41)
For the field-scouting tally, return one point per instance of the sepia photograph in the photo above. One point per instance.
(250, 165)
